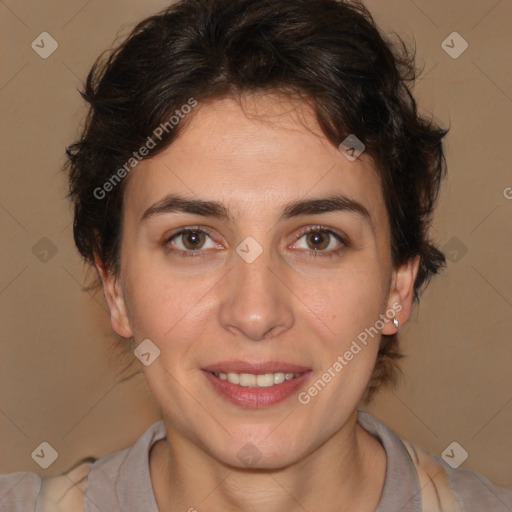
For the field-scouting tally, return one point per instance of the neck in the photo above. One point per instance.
(345, 473)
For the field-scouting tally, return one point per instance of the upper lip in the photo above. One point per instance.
(255, 368)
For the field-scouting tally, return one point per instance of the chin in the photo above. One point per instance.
(249, 450)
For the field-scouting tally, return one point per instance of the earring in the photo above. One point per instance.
(396, 322)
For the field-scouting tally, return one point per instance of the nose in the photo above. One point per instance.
(256, 303)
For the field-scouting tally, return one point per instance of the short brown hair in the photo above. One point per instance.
(326, 51)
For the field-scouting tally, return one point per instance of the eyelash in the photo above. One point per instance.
(310, 229)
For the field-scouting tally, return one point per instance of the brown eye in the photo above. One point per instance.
(193, 239)
(190, 242)
(318, 240)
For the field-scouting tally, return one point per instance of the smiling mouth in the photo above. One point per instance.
(250, 380)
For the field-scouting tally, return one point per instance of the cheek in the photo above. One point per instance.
(148, 305)
(348, 300)
(165, 307)
(347, 308)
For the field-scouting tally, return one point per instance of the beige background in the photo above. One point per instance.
(61, 381)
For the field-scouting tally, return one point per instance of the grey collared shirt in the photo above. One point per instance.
(121, 482)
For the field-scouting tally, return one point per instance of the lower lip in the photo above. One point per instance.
(256, 398)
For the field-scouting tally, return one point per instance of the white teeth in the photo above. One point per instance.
(250, 380)
(234, 378)
(279, 378)
(266, 380)
(247, 380)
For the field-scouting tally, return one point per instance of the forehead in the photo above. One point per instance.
(253, 154)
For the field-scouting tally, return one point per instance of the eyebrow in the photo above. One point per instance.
(173, 203)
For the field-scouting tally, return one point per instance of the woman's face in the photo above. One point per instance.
(250, 291)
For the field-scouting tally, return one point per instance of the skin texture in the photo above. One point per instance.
(255, 155)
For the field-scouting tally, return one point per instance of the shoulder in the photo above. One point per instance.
(439, 487)
(475, 492)
(17, 490)
(65, 493)
(92, 478)
(457, 490)
(24, 490)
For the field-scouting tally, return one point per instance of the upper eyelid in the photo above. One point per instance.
(187, 229)
(325, 229)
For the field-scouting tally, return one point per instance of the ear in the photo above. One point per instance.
(401, 295)
(115, 301)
